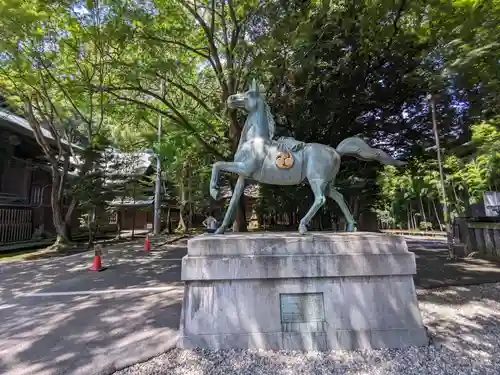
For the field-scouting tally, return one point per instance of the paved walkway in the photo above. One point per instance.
(57, 318)
(434, 270)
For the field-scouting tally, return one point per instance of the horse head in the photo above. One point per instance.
(248, 101)
(252, 102)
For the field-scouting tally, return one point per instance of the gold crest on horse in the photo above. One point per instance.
(283, 163)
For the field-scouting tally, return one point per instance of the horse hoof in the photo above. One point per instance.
(351, 227)
(302, 229)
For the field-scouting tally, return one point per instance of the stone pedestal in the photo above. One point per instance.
(321, 291)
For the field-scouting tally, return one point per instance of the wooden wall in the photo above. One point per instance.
(16, 224)
(472, 236)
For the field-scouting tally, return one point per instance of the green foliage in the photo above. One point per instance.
(186, 167)
(197, 50)
(344, 69)
(466, 178)
(101, 73)
(52, 57)
(54, 62)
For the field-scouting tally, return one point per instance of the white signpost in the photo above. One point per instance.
(492, 203)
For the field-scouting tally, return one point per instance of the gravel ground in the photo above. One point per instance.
(464, 323)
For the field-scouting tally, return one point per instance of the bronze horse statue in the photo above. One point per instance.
(286, 161)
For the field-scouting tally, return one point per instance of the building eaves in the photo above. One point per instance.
(20, 125)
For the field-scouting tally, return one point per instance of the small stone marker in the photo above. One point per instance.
(302, 312)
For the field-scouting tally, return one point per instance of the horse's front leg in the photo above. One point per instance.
(214, 182)
(228, 166)
(238, 191)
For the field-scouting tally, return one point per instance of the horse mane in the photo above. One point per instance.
(271, 124)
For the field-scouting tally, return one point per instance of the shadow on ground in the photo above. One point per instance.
(103, 325)
(122, 260)
(82, 334)
(434, 270)
(465, 320)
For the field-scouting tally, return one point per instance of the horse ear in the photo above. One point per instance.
(253, 86)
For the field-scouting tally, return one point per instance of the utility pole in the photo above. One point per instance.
(157, 208)
(446, 215)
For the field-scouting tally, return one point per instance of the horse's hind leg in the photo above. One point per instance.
(333, 193)
(318, 188)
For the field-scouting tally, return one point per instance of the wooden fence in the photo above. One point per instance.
(16, 224)
(476, 236)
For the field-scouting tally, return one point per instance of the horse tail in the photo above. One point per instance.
(355, 146)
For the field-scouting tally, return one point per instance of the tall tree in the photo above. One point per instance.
(200, 51)
(466, 55)
(52, 57)
(343, 69)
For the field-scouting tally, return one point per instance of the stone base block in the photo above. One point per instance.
(322, 291)
(309, 341)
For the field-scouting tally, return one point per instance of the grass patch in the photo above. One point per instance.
(50, 252)
(47, 251)
(41, 253)
(7, 256)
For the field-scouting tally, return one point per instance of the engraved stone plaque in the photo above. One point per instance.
(302, 307)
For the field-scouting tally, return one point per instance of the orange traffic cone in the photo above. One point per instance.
(147, 244)
(97, 264)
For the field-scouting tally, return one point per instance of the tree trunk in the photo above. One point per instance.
(422, 208)
(181, 227)
(61, 227)
(90, 220)
(133, 221)
(168, 220)
(429, 212)
(69, 216)
(119, 223)
(437, 214)
(356, 208)
(239, 222)
(182, 210)
(408, 214)
(459, 209)
(412, 216)
(189, 196)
